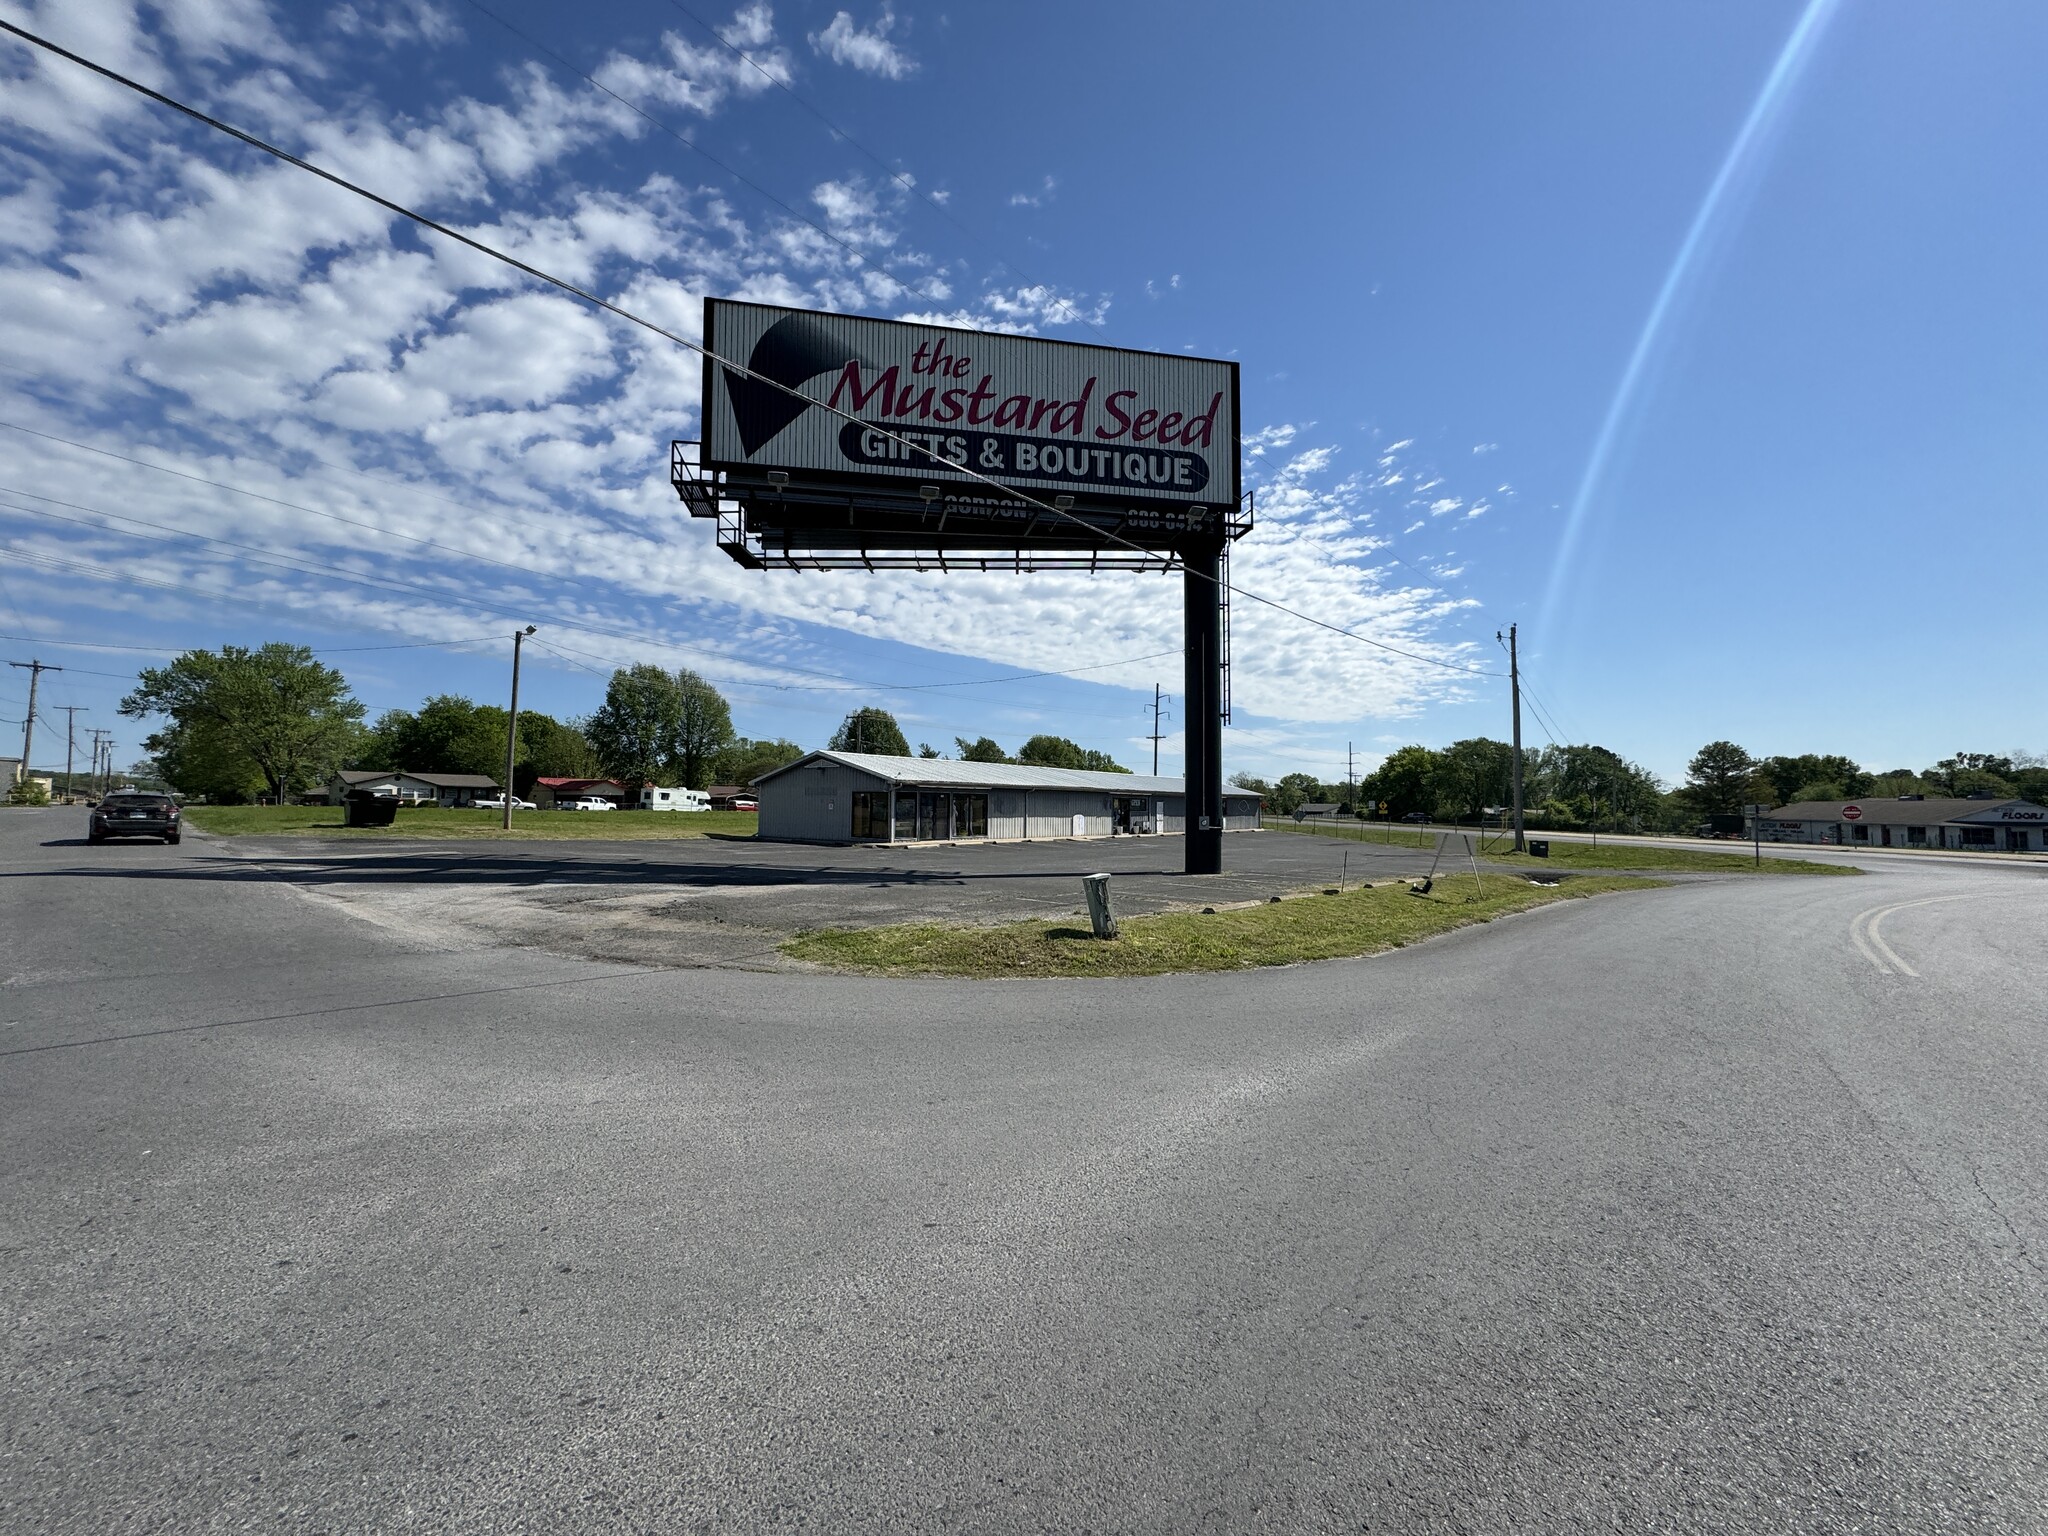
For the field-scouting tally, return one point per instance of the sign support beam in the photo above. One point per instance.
(1202, 564)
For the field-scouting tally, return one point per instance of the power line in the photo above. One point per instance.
(897, 176)
(588, 297)
(591, 81)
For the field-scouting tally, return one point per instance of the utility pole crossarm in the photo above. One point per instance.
(35, 670)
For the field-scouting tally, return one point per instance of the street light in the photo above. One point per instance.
(512, 723)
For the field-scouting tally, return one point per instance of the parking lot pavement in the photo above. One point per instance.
(732, 900)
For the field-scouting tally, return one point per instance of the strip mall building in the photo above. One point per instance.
(865, 797)
(2005, 826)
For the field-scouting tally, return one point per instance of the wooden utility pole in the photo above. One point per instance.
(71, 713)
(1515, 691)
(512, 723)
(102, 762)
(35, 670)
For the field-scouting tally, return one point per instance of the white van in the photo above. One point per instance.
(655, 799)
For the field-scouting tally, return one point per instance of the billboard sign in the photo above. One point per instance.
(900, 419)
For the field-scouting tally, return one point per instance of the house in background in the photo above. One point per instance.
(553, 794)
(723, 795)
(450, 790)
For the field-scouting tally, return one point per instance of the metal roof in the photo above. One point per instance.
(1893, 813)
(438, 780)
(948, 773)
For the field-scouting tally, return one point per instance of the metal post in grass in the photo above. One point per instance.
(1101, 917)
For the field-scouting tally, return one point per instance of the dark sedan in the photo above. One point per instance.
(134, 816)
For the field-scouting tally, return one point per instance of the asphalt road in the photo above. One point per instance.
(1717, 1208)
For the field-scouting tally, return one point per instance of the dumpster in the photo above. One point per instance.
(367, 810)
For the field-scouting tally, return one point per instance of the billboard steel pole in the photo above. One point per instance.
(1203, 660)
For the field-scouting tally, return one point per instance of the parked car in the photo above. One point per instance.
(498, 804)
(745, 803)
(1421, 816)
(591, 803)
(134, 815)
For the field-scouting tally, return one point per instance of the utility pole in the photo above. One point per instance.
(71, 713)
(1350, 774)
(1515, 690)
(102, 762)
(1158, 708)
(512, 722)
(35, 671)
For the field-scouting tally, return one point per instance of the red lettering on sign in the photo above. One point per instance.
(1123, 422)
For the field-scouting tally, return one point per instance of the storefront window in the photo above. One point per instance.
(871, 814)
(970, 815)
(906, 818)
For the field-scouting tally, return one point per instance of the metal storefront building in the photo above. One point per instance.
(864, 797)
(2003, 826)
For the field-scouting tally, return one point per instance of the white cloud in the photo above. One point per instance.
(1446, 504)
(1037, 199)
(240, 321)
(1485, 447)
(843, 42)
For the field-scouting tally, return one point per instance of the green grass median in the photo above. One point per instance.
(1359, 922)
(1565, 855)
(1494, 848)
(433, 822)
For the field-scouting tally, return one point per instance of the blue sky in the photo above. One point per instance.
(1438, 238)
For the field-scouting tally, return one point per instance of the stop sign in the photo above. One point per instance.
(1852, 813)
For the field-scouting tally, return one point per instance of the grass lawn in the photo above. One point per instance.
(1352, 831)
(1565, 854)
(1633, 856)
(1359, 922)
(427, 821)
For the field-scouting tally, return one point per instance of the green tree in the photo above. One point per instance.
(379, 747)
(291, 716)
(1589, 785)
(551, 749)
(27, 791)
(1819, 789)
(743, 761)
(1786, 775)
(634, 732)
(1471, 775)
(2030, 776)
(703, 729)
(981, 750)
(1721, 779)
(1295, 789)
(1058, 752)
(1969, 773)
(1894, 782)
(199, 761)
(1257, 786)
(869, 729)
(448, 734)
(1405, 779)
(926, 750)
